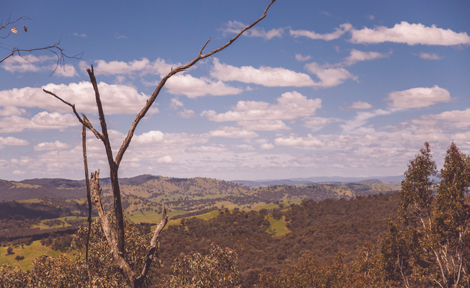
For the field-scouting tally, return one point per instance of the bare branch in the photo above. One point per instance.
(153, 246)
(54, 49)
(83, 121)
(181, 68)
(95, 191)
(113, 168)
(88, 196)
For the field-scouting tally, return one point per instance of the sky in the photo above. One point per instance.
(317, 88)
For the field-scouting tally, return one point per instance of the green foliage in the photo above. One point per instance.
(430, 245)
(216, 269)
(310, 273)
(65, 271)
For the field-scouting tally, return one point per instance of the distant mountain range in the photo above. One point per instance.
(315, 180)
(70, 189)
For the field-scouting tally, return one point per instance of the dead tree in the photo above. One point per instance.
(115, 239)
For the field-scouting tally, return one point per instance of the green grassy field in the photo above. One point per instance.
(30, 253)
(278, 227)
(42, 226)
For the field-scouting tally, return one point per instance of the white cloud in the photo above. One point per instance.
(206, 149)
(343, 28)
(234, 27)
(168, 139)
(264, 125)
(196, 87)
(83, 35)
(356, 56)
(359, 105)
(300, 142)
(40, 121)
(116, 99)
(329, 77)
(266, 146)
(48, 146)
(317, 123)
(186, 114)
(429, 56)
(31, 63)
(410, 34)
(418, 97)
(65, 71)
(165, 159)
(301, 58)
(244, 147)
(362, 118)
(266, 76)
(11, 111)
(291, 105)
(141, 67)
(119, 36)
(232, 132)
(175, 103)
(27, 63)
(12, 141)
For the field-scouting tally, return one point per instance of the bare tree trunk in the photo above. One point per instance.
(116, 239)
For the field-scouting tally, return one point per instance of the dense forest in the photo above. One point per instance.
(415, 237)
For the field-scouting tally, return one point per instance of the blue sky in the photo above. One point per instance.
(318, 88)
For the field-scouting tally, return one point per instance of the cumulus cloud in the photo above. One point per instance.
(244, 147)
(290, 105)
(329, 77)
(232, 132)
(266, 76)
(12, 141)
(266, 146)
(410, 34)
(301, 58)
(165, 159)
(157, 137)
(429, 56)
(300, 142)
(186, 113)
(11, 111)
(31, 63)
(141, 67)
(234, 27)
(206, 149)
(417, 97)
(66, 70)
(41, 121)
(27, 63)
(48, 146)
(343, 28)
(446, 121)
(196, 87)
(357, 56)
(116, 99)
(359, 105)
(264, 125)
(317, 123)
(175, 103)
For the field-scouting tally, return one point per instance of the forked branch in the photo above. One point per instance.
(178, 69)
